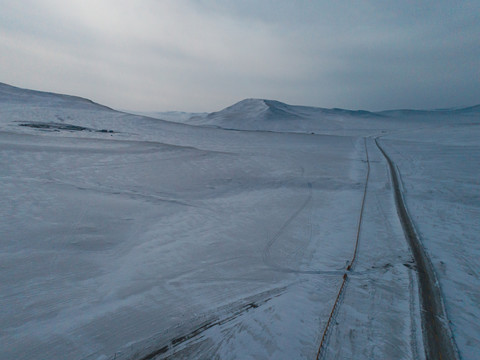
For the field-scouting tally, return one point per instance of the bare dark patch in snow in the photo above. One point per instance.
(58, 127)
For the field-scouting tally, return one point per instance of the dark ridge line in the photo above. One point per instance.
(210, 324)
(437, 336)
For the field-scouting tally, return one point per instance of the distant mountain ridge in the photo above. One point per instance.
(273, 115)
(252, 113)
(273, 109)
(266, 109)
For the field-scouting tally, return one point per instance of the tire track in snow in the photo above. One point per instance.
(413, 300)
(266, 252)
(438, 338)
(169, 349)
(336, 304)
(360, 218)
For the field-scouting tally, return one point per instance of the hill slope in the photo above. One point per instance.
(272, 115)
(14, 95)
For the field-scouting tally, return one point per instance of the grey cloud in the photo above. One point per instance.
(202, 55)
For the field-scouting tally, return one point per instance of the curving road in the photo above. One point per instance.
(438, 339)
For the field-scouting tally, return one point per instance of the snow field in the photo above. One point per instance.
(156, 239)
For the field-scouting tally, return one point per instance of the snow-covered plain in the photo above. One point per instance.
(227, 235)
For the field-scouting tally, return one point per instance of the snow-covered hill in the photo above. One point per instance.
(11, 95)
(271, 115)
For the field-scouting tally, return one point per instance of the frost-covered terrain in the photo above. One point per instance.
(227, 235)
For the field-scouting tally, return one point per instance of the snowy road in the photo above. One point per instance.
(439, 168)
(439, 342)
(379, 310)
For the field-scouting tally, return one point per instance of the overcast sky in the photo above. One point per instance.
(207, 54)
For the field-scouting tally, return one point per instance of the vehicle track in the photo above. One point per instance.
(438, 339)
(343, 286)
(266, 252)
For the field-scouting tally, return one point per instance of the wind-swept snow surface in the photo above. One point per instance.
(127, 237)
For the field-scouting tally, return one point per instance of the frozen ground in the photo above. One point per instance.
(127, 237)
